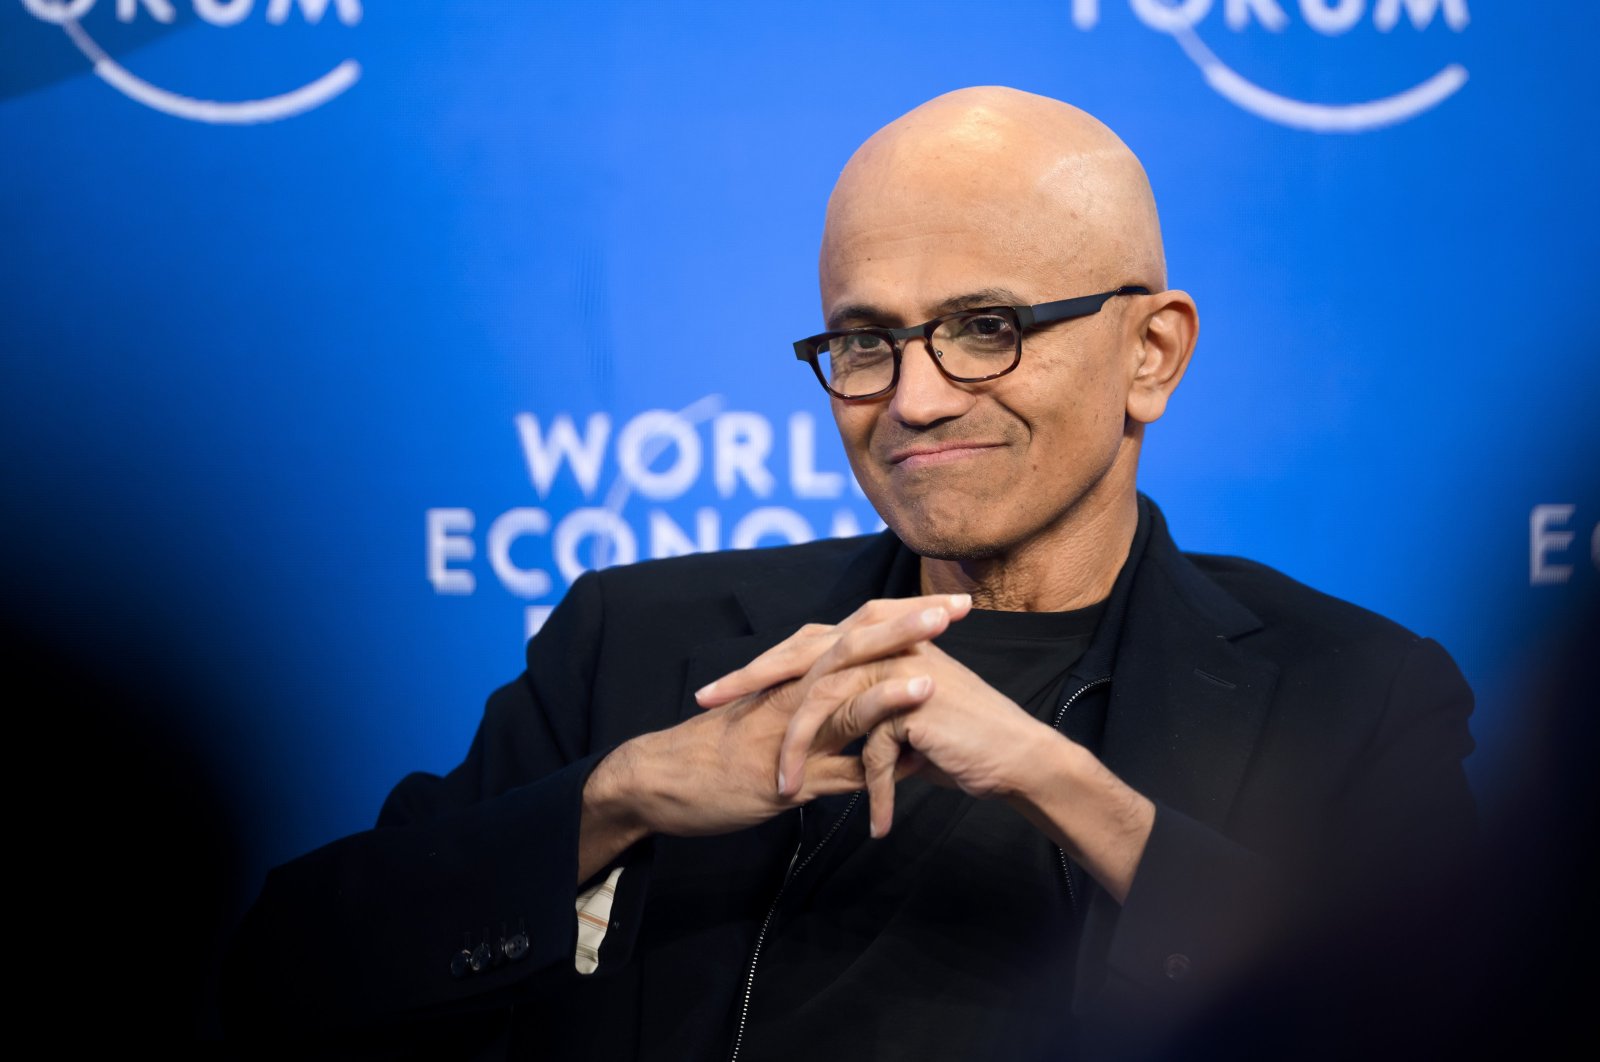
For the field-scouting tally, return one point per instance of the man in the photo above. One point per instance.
(1106, 785)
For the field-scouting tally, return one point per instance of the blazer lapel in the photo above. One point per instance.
(1187, 702)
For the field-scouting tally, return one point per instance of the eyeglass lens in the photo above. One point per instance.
(968, 346)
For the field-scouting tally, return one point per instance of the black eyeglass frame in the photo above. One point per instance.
(1025, 318)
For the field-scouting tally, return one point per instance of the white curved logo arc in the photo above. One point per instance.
(700, 410)
(1319, 117)
(216, 112)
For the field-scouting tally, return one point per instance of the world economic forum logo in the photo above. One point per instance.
(68, 14)
(611, 490)
(1329, 18)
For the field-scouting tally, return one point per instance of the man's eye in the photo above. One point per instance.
(859, 353)
(861, 349)
(986, 326)
(985, 332)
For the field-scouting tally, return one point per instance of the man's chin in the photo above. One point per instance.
(946, 544)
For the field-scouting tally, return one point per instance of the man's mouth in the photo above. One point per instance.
(929, 455)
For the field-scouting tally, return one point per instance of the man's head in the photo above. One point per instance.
(990, 196)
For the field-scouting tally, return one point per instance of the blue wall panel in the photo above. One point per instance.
(245, 359)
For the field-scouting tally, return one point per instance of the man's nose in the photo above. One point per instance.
(924, 395)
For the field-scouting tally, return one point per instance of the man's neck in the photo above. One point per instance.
(1073, 566)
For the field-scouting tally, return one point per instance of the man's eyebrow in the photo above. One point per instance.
(981, 297)
(860, 313)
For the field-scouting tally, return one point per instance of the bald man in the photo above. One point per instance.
(1015, 779)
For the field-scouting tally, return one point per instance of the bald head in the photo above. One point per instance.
(1043, 183)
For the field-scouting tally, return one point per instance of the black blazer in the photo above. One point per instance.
(1304, 755)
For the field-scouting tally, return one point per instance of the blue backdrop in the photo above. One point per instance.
(338, 336)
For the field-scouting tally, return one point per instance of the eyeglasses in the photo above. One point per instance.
(968, 346)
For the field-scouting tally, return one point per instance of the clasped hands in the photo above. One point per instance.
(876, 675)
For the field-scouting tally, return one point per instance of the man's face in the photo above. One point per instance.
(971, 471)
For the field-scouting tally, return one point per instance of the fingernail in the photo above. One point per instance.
(919, 686)
(705, 691)
(780, 782)
(960, 600)
(931, 617)
(872, 829)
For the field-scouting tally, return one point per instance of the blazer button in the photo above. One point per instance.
(479, 959)
(1177, 966)
(461, 964)
(515, 946)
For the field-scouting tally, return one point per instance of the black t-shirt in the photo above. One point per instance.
(952, 937)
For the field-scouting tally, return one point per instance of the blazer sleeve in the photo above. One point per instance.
(1209, 918)
(380, 927)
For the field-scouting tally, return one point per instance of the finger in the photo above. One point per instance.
(832, 775)
(874, 641)
(795, 655)
(879, 756)
(829, 716)
(861, 645)
(885, 609)
(787, 660)
(861, 714)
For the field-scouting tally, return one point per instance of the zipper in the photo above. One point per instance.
(796, 865)
(1061, 716)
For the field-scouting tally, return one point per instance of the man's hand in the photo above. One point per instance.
(717, 772)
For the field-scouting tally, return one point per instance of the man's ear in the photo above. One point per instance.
(1166, 336)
